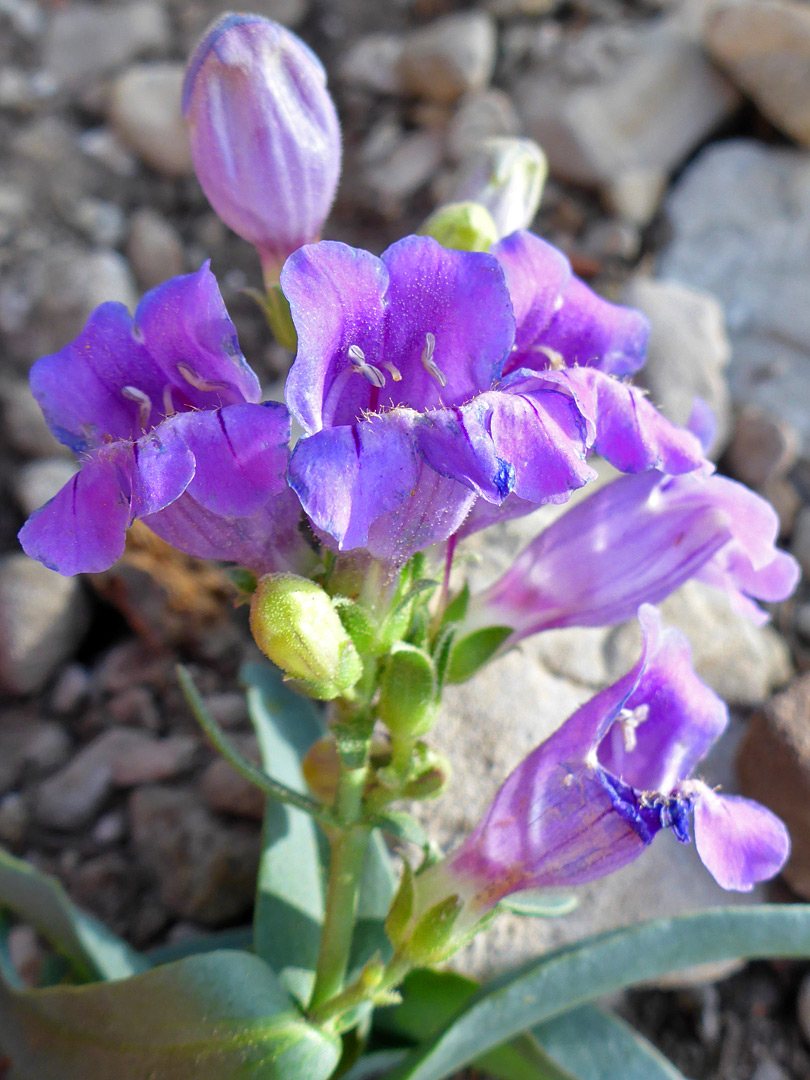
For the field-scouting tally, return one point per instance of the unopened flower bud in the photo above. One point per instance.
(264, 133)
(296, 626)
(506, 175)
(463, 226)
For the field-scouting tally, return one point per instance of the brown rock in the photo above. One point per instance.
(448, 57)
(774, 769)
(764, 46)
(226, 790)
(763, 447)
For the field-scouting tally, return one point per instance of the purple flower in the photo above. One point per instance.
(635, 541)
(590, 798)
(264, 132)
(163, 410)
(398, 384)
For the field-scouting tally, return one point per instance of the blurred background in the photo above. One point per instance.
(678, 140)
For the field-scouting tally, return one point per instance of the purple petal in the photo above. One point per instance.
(484, 514)
(83, 527)
(460, 297)
(160, 469)
(336, 296)
(739, 841)
(671, 718)
(240, 454)
(537, 275)
(702, 423)
(457, 443)
(347, 477)
(267, 541)
(184, 325)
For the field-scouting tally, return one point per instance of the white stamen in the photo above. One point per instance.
(429, 364)
(357, 358)
(198, 382)
(132, 393)
(168, 404)
(396, 374)
(555, 358)
(630, 719)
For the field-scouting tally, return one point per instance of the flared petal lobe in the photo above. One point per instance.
(739, 842)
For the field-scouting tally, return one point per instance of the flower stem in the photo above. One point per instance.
(348, 849)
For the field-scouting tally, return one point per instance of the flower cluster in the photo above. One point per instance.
(439, 392)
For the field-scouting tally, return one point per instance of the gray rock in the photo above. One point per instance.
(764, 46)
(149, 760)
(29, 746)
(509, 9)
(70, 690)
(85, 41)
(743, 663)
(609, 105)
(43, 617)
(226, 790)
(409, 167)
(72, 797)
(688, 351)
(38, 481)
(206, 870)
(487, 727)
(740, 216)
(101, 222)
(372, 63)
(481, 115)
(800, 544)
(24, 425)
(154, 248)
(763, 448)
(635, 194)
(449, 56)
(193, 16)
(145, 113)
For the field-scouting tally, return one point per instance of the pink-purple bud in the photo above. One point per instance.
(265, 136)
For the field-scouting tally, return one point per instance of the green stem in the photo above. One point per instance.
(348, 843)
(361, 991)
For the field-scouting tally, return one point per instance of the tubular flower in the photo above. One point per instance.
(264, 134)
(398, 384)
(635, 541)
(164, 412)
(591, 798)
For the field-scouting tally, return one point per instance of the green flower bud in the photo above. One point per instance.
(464, 226)
(296, 626)
(408, 693)
(507, 176)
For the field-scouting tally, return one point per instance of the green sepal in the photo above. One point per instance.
(462, 226)
(401, 909)
(408, 689)
(457, 608)
(432, 939)
(468, 655)
(357, 623)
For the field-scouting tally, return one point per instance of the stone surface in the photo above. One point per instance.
(149, 759)
(763, 448)
(764, 46)
(486, 728)
(29, 746)
(449, 57)
(800, 543)
(774, 768)
(72, 797)
(372, 63)
(635, 194)
(85, 41)
(145, 113)
(609, 105)
(752, 251)
(481, 115)
(413, 161)
(38, 481)
(688, 351)
(206, 870)
(43, 617)
(226, 790)
(154, 248)
(24, 425)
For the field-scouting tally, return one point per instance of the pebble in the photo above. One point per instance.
(481, 115)
(206, 870)
(613, 239)
(24, 425)
(803, 1008)
(154, 248)
(29, 747)
(43, 617)
(611, 105)
(101, 222)
(774, 768)
(786, 501)
(688, 351)
(104, 146)
(150, 760)
(72, 797)
(144, 111)
(71, 690)
(84, 41)
(449, 57)
(226, 790)
(411, 165)
(13, 819)
(800, 544)
(763, 448)
(635, 194)
(38, 481)
(228, 708)
(511, 9)
(372, 63)
(751, 251)
(765, 49)
(110, 828)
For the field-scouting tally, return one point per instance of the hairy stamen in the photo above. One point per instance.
(357, 358)
(196, 380)
(630, 719)
(429, 364)
(168, 404)
(396, 374)
(132, 393)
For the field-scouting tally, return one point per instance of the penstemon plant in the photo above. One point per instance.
(461, 379)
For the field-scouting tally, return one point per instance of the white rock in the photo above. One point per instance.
(154, 248)
(145, 112)
(636, 194)
(740, 215)
(688, 351)
(449, 56)
(481, 115)
(411, 165)
(24, 425)
(43, 617)
(39, 481)
(649, 100)
(85, 41)
(372, 63)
